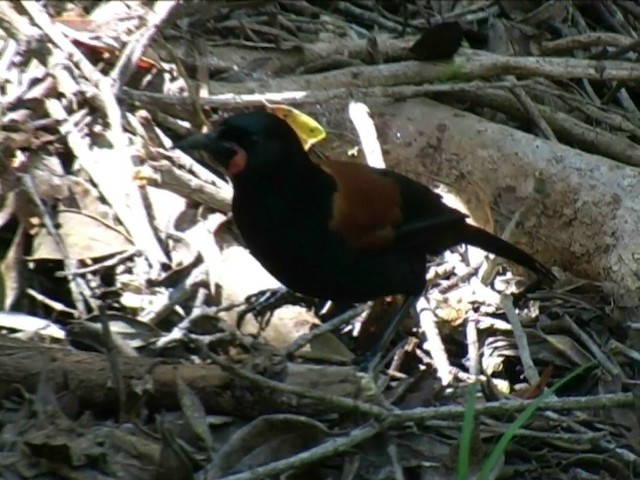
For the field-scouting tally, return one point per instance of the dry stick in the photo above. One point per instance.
(608, 117)
(78, 143)
(199, 239)
(162, 174)
(588, 40)
(423, 415)
(597, 113)
(92, 334)
(106, 97)
(568, 421)
(615, 346)
(581, 25)
(79, 291)
(329, 326)
(418, 23)
(113, 360)
(176, 157)
(392, 451)
(473, 346)
(504, 407)
(329, 449)
(184, 290)
(13, 264)
(52, 304)
(19, 30)
(144, 127)
(351, 465)
(135, 48)
(199, 184)
(8, 208)
(617, 89)
(632, 7)
(624, 49)
(611, 94)
(180, 332)
(607, 365)
(203, 74)
(408, 345)
(110, 262)
(477, 10)
(336, 403)
(388, 50)
(455, 282)
(283, 39)
(571, 129)
(467, 65)
(399, 92)
(435, 345)
(369, 17)
(530, 107)
(362, 121)
(613, 17)
(591, 438)
(141, 231)
(192, 99)
(420, 415)
(507, 233)
(43, 21)
(530, 371)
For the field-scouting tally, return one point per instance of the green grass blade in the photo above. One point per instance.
(507, 436)
(466, 436)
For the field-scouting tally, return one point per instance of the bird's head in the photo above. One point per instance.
(254, 142)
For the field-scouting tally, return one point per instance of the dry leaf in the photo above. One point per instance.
(84, 236)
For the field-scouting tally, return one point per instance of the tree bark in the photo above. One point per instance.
(88, 377)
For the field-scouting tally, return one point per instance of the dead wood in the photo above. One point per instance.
(152, 382)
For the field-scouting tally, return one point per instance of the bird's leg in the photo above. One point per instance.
(368, 362)
(263, 303)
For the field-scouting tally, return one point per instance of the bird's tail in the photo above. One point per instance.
(491, 243)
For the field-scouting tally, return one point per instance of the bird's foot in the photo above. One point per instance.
(264, 303)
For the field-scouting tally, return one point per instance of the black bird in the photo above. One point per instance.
(336, 230)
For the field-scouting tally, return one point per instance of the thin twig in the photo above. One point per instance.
(504, 407)
(519, 335)
(362, 121)
(530, 107)
(332, 401)
(434, 343)
(329, 326)
(312, 456)
(296, 97)
(135, 48)
(108, 263)
(79, 291)
(113, 359)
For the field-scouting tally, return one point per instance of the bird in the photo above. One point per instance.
(336, 230)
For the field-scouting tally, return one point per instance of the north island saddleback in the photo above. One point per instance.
(337, 230)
